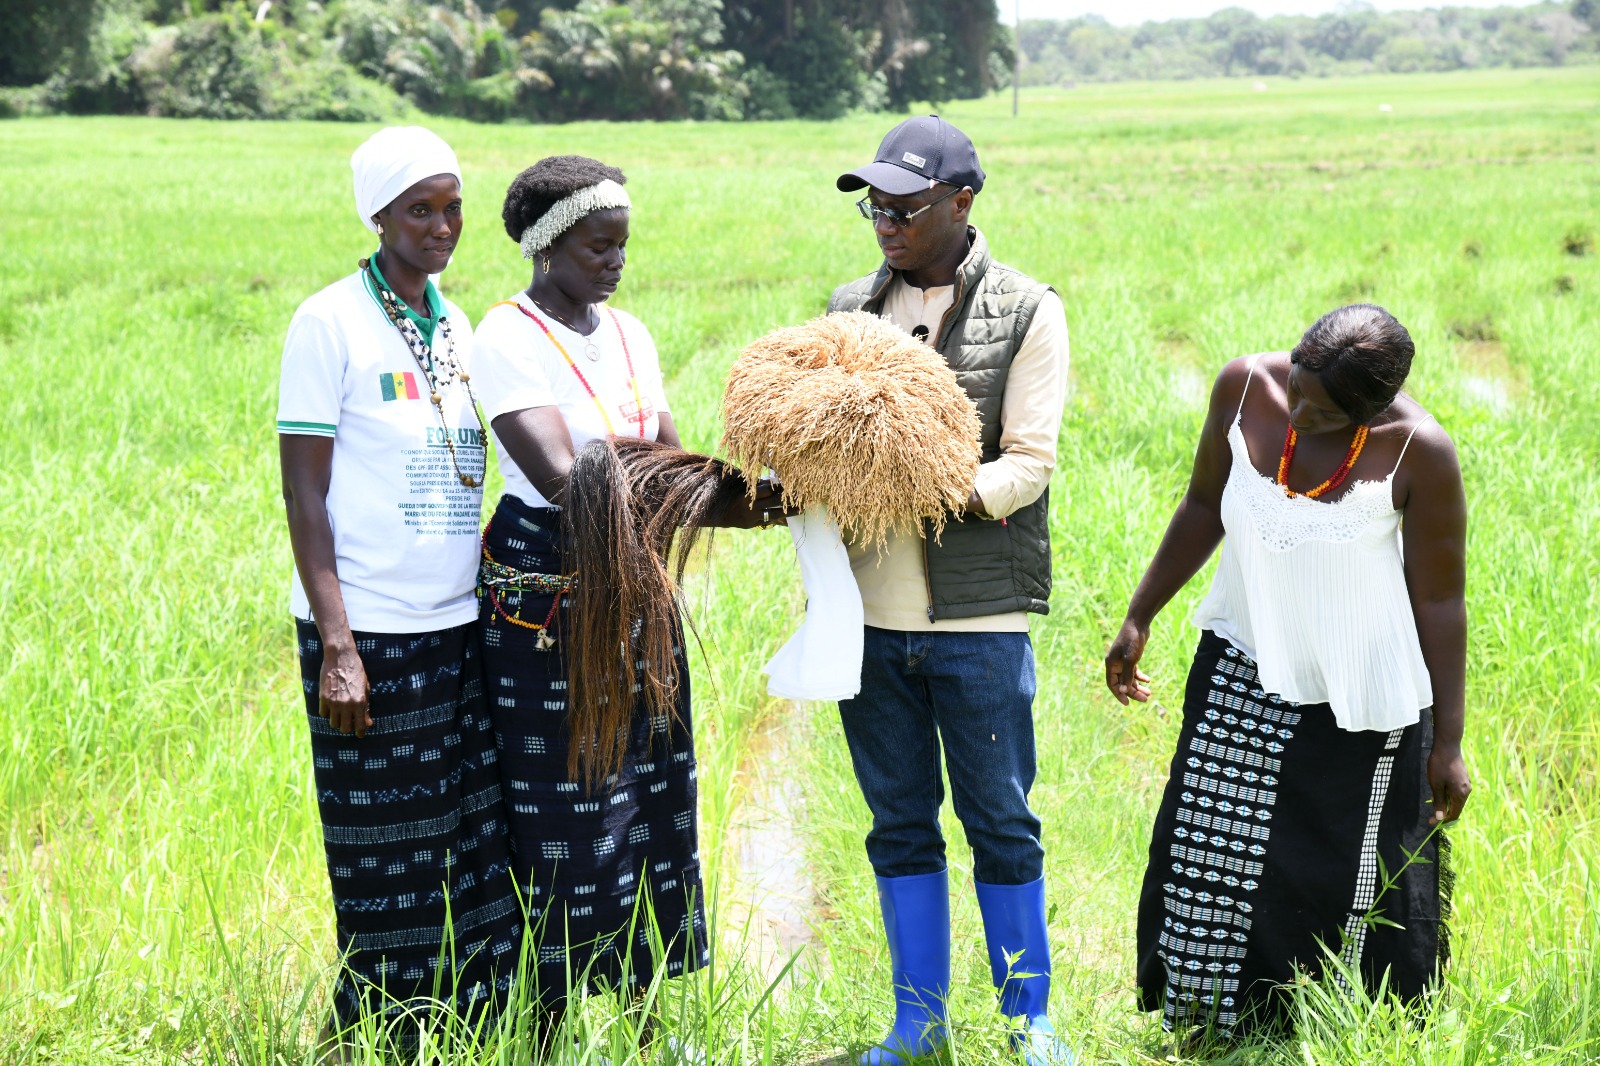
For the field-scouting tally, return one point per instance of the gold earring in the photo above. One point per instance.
(380, 229)
(547, 264)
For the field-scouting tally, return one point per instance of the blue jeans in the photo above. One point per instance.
(975, 692)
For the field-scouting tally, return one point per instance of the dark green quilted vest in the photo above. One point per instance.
(980, 566)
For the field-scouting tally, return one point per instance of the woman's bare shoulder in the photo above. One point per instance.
(1229, 389)
(1427, 444)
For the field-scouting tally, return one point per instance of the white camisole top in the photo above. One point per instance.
(1315, 593)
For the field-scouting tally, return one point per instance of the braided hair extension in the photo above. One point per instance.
(631, 505)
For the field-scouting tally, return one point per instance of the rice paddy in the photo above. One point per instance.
(163, 897)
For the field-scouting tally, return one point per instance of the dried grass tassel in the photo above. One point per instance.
(855, 414)
(631, 505)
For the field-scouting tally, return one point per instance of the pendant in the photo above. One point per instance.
(545, 641)
(592, 351)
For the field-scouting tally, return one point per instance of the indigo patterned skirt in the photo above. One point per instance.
(415, 831)
(611, 877)
(1282, 839)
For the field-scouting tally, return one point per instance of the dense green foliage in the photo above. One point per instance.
(163, 894)
(827, 57)
(1356, 40)
(221, 64)
(498, 59)
(567, 60)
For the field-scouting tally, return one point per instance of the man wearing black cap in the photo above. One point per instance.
(947, 655)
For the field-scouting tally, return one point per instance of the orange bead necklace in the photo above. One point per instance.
(1358, 442)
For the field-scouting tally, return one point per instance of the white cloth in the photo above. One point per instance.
(822, 661)
(405, 529)
(391, 161)
(1315, 593)
(515, 367)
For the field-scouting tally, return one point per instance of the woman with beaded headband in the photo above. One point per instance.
(1320, 752)
(608, 861)
(383, 460)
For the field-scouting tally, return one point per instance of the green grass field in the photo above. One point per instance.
(163, 896)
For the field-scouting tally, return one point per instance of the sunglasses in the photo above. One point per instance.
(899, 219)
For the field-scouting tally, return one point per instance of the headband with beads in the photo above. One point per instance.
(565, 213)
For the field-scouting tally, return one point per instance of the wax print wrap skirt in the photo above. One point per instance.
(611, 873)
(1282, 840)
(415, 832)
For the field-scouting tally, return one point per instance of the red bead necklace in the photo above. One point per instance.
(1292, 438)
(638, 417)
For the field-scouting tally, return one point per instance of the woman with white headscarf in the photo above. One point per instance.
(383, 453)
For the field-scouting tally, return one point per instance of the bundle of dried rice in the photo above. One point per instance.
(856, 415)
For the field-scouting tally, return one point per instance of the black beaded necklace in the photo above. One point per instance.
(438, 372)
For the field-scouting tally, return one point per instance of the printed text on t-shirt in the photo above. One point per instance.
(431, 473)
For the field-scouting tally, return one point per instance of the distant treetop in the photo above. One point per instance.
(1234, 42)
(535, 61)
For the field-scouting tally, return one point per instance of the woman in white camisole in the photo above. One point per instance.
(1322, 718)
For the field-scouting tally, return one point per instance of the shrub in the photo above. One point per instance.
(492, 98)
(220, 65)
(226, 65)
(42, 34)
(428, 53)
(824, 68)
(325, 88)
(767, 95)
(100, 76)
(656, 59)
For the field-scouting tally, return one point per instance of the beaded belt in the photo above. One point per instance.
(509, 579)
(498, 577)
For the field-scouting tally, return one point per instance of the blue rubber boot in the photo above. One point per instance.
(916, 918)
(1019, 962)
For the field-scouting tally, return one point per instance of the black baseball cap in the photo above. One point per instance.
(918, 151)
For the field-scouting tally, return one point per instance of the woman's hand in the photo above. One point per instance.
(767, 509)
(1434, 547)
(342, 683)
(1193, 533)
(342, 691)
(1447, 776)
(1123, 676)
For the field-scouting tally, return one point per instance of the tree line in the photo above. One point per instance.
(1356, 40)
(562, 60)
(497, 60)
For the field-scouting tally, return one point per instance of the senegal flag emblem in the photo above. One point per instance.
(399, 386)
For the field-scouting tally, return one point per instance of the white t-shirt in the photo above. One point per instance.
(515, 366)
(405, 529)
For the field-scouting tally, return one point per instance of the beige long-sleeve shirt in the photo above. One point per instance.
(894, 585)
